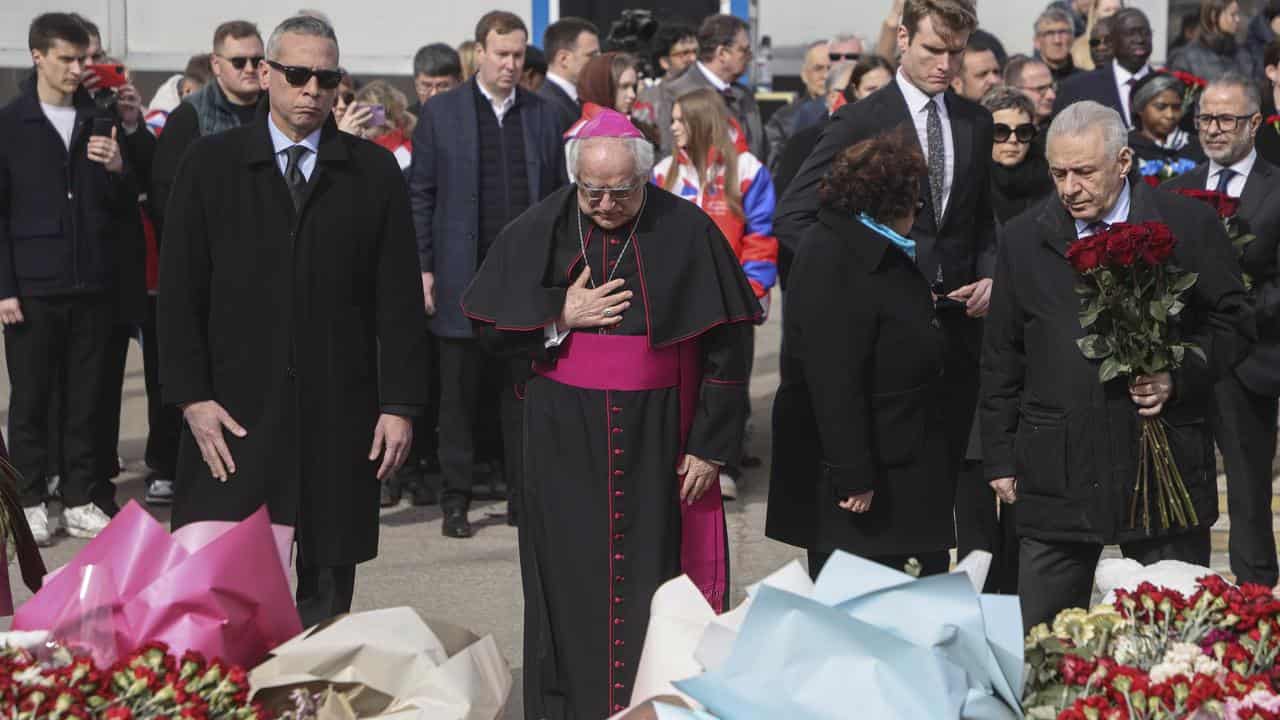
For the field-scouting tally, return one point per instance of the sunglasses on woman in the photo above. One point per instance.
(1024, 133)
(299, 76)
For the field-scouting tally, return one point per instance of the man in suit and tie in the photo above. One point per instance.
(1242, 415)
(1111, 84)
(955, 230)
(724, 53)
(568, 43)
(483, 153)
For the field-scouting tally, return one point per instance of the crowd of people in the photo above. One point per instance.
(597, 232)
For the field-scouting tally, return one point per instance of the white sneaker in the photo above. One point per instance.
(728, 487)
(38, 519)
(84, 521)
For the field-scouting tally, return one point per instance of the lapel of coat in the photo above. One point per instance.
(469, 141)
(332, 152)
(531, 128)
(962, 142)
(261, 151)
(1058, 225)
(1256, 187)
(1113, 92)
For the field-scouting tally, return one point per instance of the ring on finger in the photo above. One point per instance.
(607, 312)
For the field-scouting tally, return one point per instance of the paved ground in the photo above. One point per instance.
(476, 583)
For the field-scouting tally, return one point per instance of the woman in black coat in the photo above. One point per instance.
(859, 457)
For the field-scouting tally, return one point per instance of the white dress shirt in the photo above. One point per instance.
(1235, 186)
(500, 107)
(281, 142)
(569, 88)
(1123, 88)
(1119, 213)
(712, 78)
(917, 103)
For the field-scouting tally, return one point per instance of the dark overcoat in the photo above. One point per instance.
(1259, 215)
(303, 326)
(1071, 441)
(859, 407)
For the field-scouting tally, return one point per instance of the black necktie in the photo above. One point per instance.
(1225, 175)
(937, 159)
(293, 176)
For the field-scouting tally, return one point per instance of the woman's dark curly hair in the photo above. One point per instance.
(879, 176)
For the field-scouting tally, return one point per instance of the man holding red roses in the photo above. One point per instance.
(1056, 440)
(1245, 189)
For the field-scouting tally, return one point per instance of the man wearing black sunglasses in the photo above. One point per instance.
(231, 100)
(291, 327)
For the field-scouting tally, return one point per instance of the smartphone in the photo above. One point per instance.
(102, 126)
(110, 76)
(377, 115)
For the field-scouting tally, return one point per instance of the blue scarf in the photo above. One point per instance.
(905, 244)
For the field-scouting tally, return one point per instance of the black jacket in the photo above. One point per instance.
(1259, 213)
(1268, 138)
(304, 327)
(1071, 441)
(567, 110)
(797, 151)
(1097, 85)
(1144, 149)
(964, 247)
(59, 210)
(860, 403)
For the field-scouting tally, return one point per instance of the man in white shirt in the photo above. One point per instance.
(569, 43)
(1243, 411)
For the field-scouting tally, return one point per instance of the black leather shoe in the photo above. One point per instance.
(456, 524)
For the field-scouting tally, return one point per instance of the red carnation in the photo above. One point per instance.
(1075, 670)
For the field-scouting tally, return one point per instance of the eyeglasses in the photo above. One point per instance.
(239, 62)
(837, 57)
(299, 76)
(619, 194)
(1225, 123)
(1024, 133)
(1098, 42)
(686, 53)
(347, 98)
(1039, 89)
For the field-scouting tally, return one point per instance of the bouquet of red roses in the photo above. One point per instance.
(1130, 300)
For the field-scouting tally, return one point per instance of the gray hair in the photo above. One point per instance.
(1079, 118)
(1252, 98)
(846, 37)
(1052, 14)
(1003, 97)
(839, 75)
(1149, 90)
(299, 25)
(641, 150)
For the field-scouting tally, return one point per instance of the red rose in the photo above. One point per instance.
(1087, 254)
(1122, 247)
(1159, 244)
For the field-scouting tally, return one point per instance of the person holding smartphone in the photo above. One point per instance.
(65, 191)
